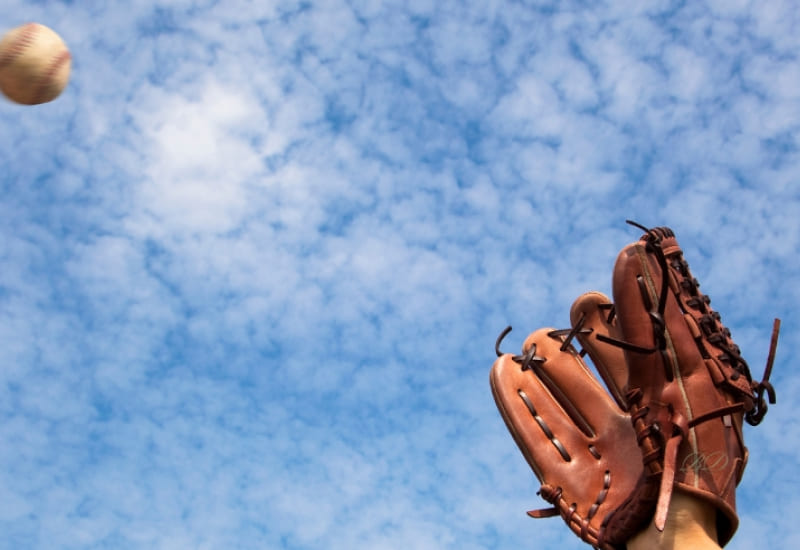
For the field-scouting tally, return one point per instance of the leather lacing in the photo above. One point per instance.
(554, 495)
(526, 359)
(526, 362)
(665, 444)
(669, 428)
(709, 323)
(544, 427)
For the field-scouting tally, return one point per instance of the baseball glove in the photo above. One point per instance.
(680, 392)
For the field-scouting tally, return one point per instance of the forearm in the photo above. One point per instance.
(691, 525)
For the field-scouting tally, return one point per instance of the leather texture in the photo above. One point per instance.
(577, 440)
(688, 387)
(678, 393)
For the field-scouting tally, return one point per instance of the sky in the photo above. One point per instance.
(254, 259)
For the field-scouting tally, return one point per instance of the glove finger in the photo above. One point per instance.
(578, 442)
(661, 309)
(570, 382)
(652, 321)
(593, 315)
(543, 431)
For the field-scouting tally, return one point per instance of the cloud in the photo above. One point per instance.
(255, 258)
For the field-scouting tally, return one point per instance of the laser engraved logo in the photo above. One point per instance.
(701, 462)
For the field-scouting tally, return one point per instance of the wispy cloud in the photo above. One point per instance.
(255, 258)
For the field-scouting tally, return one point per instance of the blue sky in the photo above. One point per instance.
(254, 259)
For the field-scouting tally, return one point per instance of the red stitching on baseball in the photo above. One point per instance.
(43, 92)
(18, 46)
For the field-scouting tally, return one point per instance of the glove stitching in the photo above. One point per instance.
(545, 428)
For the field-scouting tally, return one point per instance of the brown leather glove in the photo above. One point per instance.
(681, 391)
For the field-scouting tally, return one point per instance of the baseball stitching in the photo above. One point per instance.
(18, 46)
(43, 90)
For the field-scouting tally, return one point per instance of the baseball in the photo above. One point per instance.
(34, 64)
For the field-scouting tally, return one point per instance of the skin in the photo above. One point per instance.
(690, 525)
